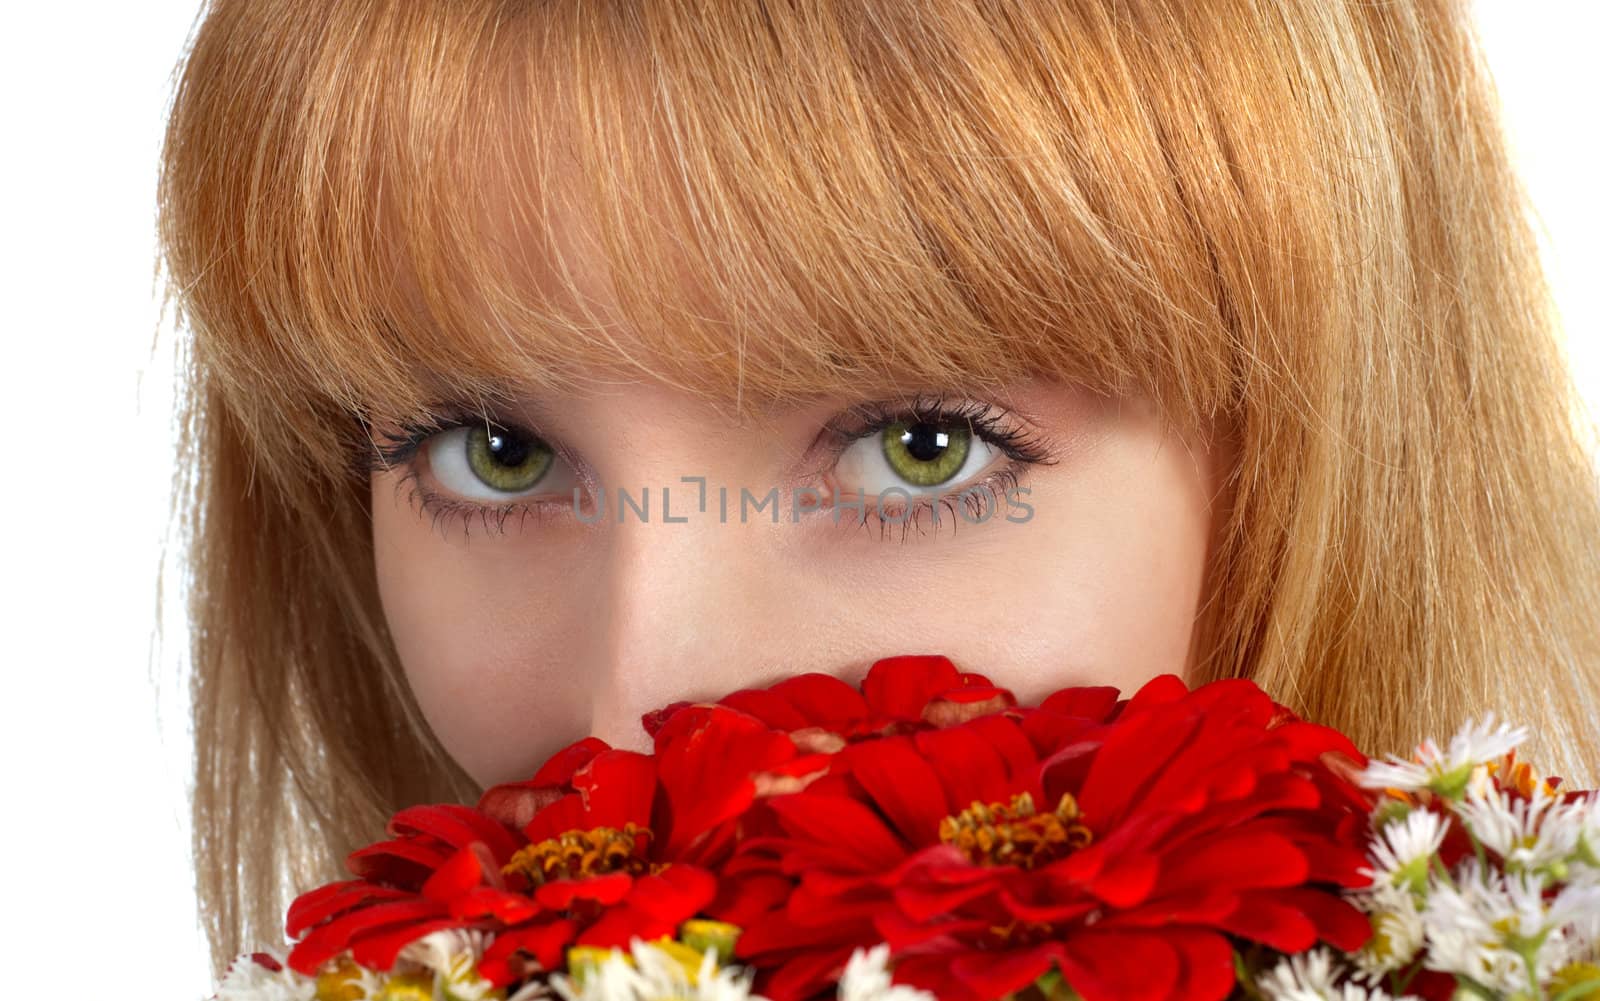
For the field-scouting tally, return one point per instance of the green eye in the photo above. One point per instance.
(505, 460)
(926, 454)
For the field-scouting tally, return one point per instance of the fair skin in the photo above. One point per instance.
(1089, 571)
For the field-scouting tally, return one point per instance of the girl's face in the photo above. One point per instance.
(707, 555)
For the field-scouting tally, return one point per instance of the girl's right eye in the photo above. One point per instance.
(493, 463)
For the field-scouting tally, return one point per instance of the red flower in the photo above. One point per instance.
(1123, 854)
(899, 695)
(612, 845)
(408, 887)
(630, 850)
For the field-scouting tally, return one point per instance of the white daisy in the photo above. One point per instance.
(247, 980)
(1576, 912)
(1402, 850)
(866, 978)
(452, 955)
(1446, 772)
(1498, 929)
(442, 950)
(1537, 834)
(1315, 976)
(1463, 939)
(1396, 918)
(654, 975)
(1587, 817)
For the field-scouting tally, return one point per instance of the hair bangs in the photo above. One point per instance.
(480, 201)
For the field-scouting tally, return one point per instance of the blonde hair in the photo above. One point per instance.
(1292, 217)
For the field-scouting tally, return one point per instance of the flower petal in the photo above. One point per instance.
(316, 906)
(1135, 752)
(379, 950)
(404, 861)
(709, 762)
(487, 902)
(560, 894)
(614, 789)
(900, 687)
(902, 784)
(840, 833)
(328, 940)
(546, 943)
(1117, 966)
(470, 866)
(1003, 972)
(986, 761)
(1208, 970)
(1265, 918)
(456, 825)
(1240, 859)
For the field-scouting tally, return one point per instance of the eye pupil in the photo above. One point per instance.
(508, 451)
(925, 442)
(926, 453)
(505, 460)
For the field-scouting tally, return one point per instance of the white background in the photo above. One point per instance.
(94, 871)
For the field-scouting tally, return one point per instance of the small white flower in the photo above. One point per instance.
(654, 976)
(247, 980)
(1315, 976)
(1492, 927)
(1460, 922)
(444, 949)
(451, 955)
(1402, 850)
(1446, 772)
(1575, 911)
(1586, 814)
(866, 978)
(1534, 834)
(1397, 928)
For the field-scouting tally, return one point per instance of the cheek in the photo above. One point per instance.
(1100, 586)
(482, 637)
(1117, 573)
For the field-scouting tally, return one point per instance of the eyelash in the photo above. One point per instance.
(1022, 448)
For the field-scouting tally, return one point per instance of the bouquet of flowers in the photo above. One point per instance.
(924, 836)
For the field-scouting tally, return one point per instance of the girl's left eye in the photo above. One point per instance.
(919, 457)
(493, 463)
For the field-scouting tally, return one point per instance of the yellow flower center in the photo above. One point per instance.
(1578, 981)
(597, 851)
(341, 980)
(1016, 833)
(408, 987)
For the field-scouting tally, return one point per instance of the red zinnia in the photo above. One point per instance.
(1121, 854)
(629, 852)
(612, 845)
(408, 887)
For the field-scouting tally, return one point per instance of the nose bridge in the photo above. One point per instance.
(679, 584)
(671, 594)
(674, 594)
